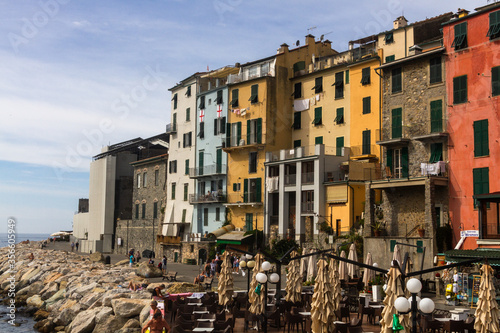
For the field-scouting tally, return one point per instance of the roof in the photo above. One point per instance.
(491, 256)
(479, 10)
(234, 237)
(181, 84)
(411, 58)
(133, 144)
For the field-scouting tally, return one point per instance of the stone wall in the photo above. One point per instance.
(136, 235)
(170, 251)
(191, 250)
(404, 209)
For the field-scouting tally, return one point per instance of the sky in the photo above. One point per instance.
(76, 76)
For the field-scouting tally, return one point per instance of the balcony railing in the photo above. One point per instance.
(239, 197)
(306, 151)
(207, 170)
(307, 207)
(213, 197)
(171, 128)
(290, 179)
(246, 75)
(308, 178)
(364, 150)
(424, 169)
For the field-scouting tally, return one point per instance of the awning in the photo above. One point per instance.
(235, 237)
(221, 231)
(336, 194)
(457, 256)
(489, 197)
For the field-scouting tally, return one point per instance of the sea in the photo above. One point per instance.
(26, 323)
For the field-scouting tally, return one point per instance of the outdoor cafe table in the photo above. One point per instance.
(442, 319)
(197, 304)
(203, 329)
(205, 319)
(201, 312)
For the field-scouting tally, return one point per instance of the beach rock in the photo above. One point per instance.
(84, 322)
(67, 314)
(41, 314)
(129, 330)
(35, 301)
(59, 329)
(144, 315)
(49, 290)
(110, 295)
(90, 299)
(96, 257)
(132, 323)
(103, 314)
(126, 307)
(85, 289)
(45, 326)
(148, 271)
(56, 297)
(122, 262)
(33, 289)
(109, 324)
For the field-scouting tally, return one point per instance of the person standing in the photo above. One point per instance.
(131, 260)
(72, 246)
(164, 264)
(76, 245)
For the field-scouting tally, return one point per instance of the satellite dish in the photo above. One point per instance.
(297, 43)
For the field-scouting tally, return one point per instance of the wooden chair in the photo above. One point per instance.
(341, 327)
(293, 320)
(469, 325)
(454, 326)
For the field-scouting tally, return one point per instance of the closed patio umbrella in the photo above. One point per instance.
(303, 265)
(311, 266)
(256, 300)
(352, 269)
(487, 312)
(369, 274)
(397, 254)
(225, 287)
(393, 291)
(293, 281)
(335, 282)
(342, 268)
(322, 314)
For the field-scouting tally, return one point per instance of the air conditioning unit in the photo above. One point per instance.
(242, 142)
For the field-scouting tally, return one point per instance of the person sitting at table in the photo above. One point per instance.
(157, 292)
(156, 324)
(200, 278)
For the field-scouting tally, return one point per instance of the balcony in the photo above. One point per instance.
(171, 128)
(364, 151)
(168, 239)
(213, 197)
(250, 75)
(307, 207)
(207, 170)
(238, 199)
(308, 178)
(291, 180)
(307, 151)
(394, 136)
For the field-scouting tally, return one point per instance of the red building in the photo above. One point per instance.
(472, 44)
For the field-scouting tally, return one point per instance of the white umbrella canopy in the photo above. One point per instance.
(352, 269)
(397, 254)
(225, 287)
(335, 282)
(342, 267)
(256, 299)
(293, 280)
(369, 274)
(393, 291)
(322, 313)
(303, 265)
(311, 267)
(487, 312)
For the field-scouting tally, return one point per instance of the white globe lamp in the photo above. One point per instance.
(401, 304)
(427, 305)
(251, 264)
(249, 256)
(243, 264)
(266, 265)
(274, 278)
(418, 301)
(414, 285)
(375, 264)
(261, 277)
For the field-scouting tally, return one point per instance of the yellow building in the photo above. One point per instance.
(259, 121)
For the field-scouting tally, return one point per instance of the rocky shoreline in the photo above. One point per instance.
(69, 292)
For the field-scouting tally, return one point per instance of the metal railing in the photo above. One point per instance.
(291, 179)
(207, 170)
(308, 178)
(246, 75)
(171, 128)
(307, 207)
(239, 197)
(208, 198)
(364, 150)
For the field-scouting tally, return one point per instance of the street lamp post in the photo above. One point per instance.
(413, 306)
(248, 264)
(262, 278)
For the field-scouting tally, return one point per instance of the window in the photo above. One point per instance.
(366, 148)
(339, 85)
(494, 30)
(435, 70)
(347, 77)
(174, 122)
(234, 97)
(340, 146)
(307, 201)
(367, 105)
(481, 181)
(175, 101)
(157, 177)
(218, 100)
(218, 160)
(219, 125)
(317, 116)
(155, 209)
(297, 91)
(183, 220)
(188, 91)
(460, 41)
(339, 117)
(254, 98)
(495, 81)
(217, 214)
(481, 144)
(186, 167)
(143, 216)
(390, 58)
(297, 120)
(173, 166)
(460, 89)
(436, 152)
(252, 190)
(187, 142)
(389, 38)
(318, 140)
(252, 162)
(297, 143)
(188, 114)
(397, 162)
(186, 188)
(436, 116)
(136, 211)
(397, 84)
(201, 133)
(236, 187)
(365, 76)
(249, 221)
(202, 102)
(205, 217)
(173, 191)
(144, 179)
(139, 180)
(397, 123)
(298, 66)
(234, 139)
(254, 131)
(318, 85)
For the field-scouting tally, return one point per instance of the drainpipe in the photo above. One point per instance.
(352, 201)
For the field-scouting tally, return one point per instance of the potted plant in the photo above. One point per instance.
(421, 230)
(377, 226)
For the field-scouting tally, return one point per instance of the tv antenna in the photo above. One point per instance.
(323, 36)
(310, 29)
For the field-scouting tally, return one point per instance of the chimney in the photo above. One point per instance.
(310, 40)
(415, 49)
(462, 12)
(400, 22)
(283, 48)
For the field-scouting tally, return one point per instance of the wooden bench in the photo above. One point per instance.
(207, 283)
(171, 276)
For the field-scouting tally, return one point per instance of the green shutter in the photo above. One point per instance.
(228, 134)
(175, 101)
(397, 85)
(235, 187)
(173, 191)
(318, 140)
(234, 99)
(202, 102)
(245, 190)
(495, 80)
(254, 98)
(186, 167)
(397, 123)
(347, 77)
(367, 105)
(186, 189)
(389, 155)
(249, 122)
(390, 58)
(340, 145)
(297, 92)
(366, 148)
(188, 91)
(420, 248)
(174, 122)
(155, 210)
(219, 161)
(238, 135)
(460, 89)
(392, 244)
(297, 143)
(136, 211)
(297, 120)
(436, 152)
(317, 116)
(494, 29)
(184, 211)
(404, 161)
(481, 182)
(339, 119)
(460, 40)
(259, 130)
(481, 141)
(365, 76)
(318, 85)
(435, 70)
(436, 116)
(258, 190)
(188, 114)
(201, 162)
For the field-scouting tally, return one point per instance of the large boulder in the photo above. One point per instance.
(50, 289)
(84, 322)
(56, 297)
(132, 323)
(33, 289)
(109, 323)
(144, 315)
(126, 307)
(96, 257)
(114, 294)
(148, 271)
(35, 301)
(45, 326)
(67, 314)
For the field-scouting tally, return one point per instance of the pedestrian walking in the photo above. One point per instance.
(164, 264)
(76, 245)
(72, 246)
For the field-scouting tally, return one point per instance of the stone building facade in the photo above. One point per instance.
(148, 204)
